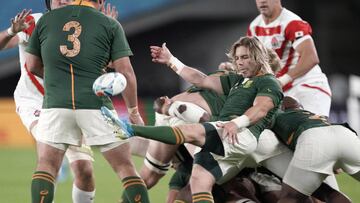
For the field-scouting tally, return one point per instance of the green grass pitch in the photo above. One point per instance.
(17, 165)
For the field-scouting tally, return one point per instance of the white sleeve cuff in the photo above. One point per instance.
(241, 121)
(299, 41)
(285, 79)
(176, 65)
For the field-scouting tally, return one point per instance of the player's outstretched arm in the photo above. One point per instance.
(163, 55)
(8, 37)
(123, 65)
(308, 59)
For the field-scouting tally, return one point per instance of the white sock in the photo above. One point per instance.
(80, 196)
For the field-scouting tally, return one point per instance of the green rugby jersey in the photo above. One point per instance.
(214, 100)
(291, 123)
(241, 93)
(75, 44)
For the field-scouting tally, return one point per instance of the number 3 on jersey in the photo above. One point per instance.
(73, 38)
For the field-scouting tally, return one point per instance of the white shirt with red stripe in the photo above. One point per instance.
(29, 90)
(283, 35)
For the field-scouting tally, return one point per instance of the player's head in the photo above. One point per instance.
(95, 3)
(162, 104)
(54, 4)
(268, 8)
(274, 60)
(249, 57)
(290, 103)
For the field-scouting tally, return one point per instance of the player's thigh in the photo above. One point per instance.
(268, 146)
(57, 125)
(193, 132)
(304, 181)
(245, 145)
(96, 130)
(161, 152)
(158, 159)
(278, 164)
(348, 144)
(315, 100)
(317, 150)
(75, 153)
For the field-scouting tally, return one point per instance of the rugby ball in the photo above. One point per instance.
(109, 84)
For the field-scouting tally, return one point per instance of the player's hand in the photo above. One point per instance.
(18, 23)
(226, 66)
(136, 119)
(110, 11)
(230, 131)
(160, 54)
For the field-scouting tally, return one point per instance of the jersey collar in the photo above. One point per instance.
(82, 3)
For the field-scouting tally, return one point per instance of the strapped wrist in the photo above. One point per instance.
(176, 64)
(133, 110)
(285, 79)
(241, 121)
(10, 32)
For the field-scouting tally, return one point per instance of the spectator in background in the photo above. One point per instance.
(290, 36)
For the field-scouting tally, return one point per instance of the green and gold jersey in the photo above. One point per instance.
(75, 43)
(291, 123)
(241, 93)
(214, 100)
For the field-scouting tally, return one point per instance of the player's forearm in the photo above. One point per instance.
(256, 113)
(304, 65)
(193, 76)
(5, 40)
(262, 105)
(130, 92)
(307, 60)
(189, 74)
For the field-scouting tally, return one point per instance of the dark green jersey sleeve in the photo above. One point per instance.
(269, 86)
(120, 47)
(228, 81)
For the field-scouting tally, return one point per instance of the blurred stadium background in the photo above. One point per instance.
(199, 32)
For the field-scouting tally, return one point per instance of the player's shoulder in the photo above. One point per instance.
(257, 21)
(288, 17)
(268, 78)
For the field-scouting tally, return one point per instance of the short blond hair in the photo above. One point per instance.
(258, 53)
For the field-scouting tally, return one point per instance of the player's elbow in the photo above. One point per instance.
(262, 113)
(315, 60)
(264, 109)
(312, 59)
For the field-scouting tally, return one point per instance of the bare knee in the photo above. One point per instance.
(201, 175)
(150, 177)
(194, 133)
(83, 170)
